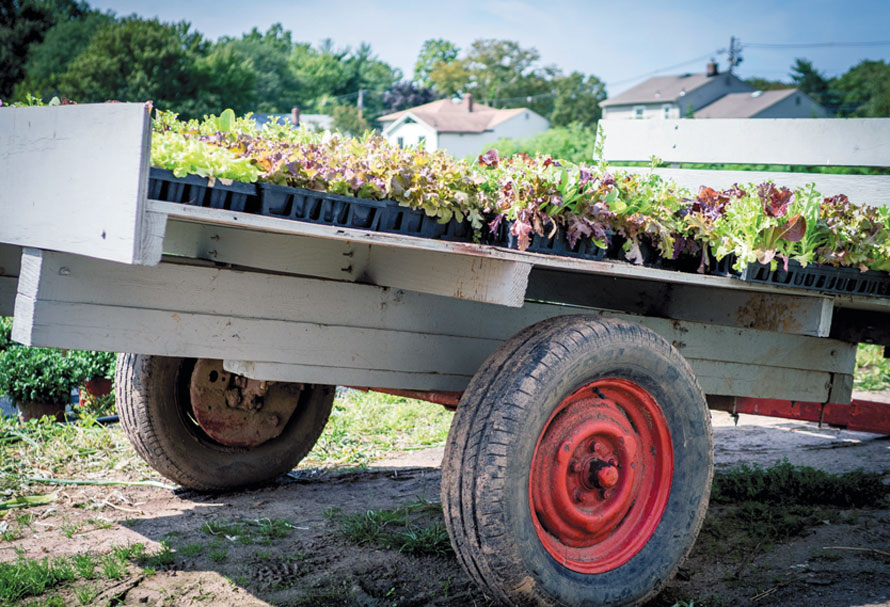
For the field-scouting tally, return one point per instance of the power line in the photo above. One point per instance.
(817, 44)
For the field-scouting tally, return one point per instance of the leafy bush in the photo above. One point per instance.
(43, 375)
(573, 143)
(87, 365)
(5, 333)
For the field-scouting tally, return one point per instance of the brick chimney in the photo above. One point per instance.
(712, 68)
(467, 102)
(295, 116)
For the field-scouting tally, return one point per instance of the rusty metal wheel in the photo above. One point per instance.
(208, 429)
(578, 465)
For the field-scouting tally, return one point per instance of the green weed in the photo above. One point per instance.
(257, 531)
(413, 528)
(86, 594)
(193, 549)
(31, 577)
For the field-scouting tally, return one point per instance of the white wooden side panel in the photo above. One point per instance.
(73, 178)
(236, 295)
(801, 141)
(364, 332)
(861, 189)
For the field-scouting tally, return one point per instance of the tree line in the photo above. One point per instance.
(65, 48)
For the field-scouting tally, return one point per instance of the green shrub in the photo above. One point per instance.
(43, 375)
(87, 365)
(5, 333)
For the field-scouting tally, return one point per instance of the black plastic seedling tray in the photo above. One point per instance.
(822, 278)
(198, 191)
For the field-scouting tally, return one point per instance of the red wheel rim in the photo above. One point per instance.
(601, 475)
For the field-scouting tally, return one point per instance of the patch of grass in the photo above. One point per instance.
(218, 553)
(70, 529)
(872, 369)
(413, 528)
(247, 532)
(44, 448)
(754, 508)
(787, 484)
(85, 565)
(328, 593)
(366, 426)
(31, 577)
(99, 523)
(164, 557)
(192, 549)
(86, 594)
(113, 568)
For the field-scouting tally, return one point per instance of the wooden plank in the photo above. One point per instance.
(190, 311)
(347, 376)
(731, 379)
(762, 311)
(275, 225)
(460, 276)
(799, 141)
(861, 189)
(73, 178)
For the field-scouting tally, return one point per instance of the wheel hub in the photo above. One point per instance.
(600, 475)
(237, 411)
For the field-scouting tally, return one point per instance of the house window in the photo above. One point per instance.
(638, 111)
(421, 141)
(401, 142)
(667, 111)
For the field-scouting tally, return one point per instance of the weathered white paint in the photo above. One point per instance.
(73, 178)
(861, 189)
(179, 310)
(799, 141)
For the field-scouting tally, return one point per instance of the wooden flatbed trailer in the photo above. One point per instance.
(579, 462)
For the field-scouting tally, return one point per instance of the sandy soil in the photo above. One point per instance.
(314, 565)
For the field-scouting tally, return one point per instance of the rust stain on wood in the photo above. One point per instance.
(769, 314)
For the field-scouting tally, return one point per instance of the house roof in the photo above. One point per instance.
(662, 89)
(743, 105)
(446, 116)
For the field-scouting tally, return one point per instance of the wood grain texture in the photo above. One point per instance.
(73, 178)
(799, 141)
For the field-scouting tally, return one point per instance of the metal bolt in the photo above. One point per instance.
(63, 271)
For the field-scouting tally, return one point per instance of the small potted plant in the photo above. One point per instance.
(93, 371)
(39, 380)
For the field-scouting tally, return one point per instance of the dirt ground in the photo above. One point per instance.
(315, 565)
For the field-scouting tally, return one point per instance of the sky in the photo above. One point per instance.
(620, 42)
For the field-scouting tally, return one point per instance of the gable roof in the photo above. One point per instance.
(663, 89)
(446, 116)
(743, 105)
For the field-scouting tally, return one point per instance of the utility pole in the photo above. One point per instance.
(734, 52)
(361, 102)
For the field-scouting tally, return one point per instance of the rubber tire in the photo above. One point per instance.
(151, 392)
(485, 472)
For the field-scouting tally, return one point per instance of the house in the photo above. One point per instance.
(314, 122)
(782, 103)
(708, 95)
(461, 127)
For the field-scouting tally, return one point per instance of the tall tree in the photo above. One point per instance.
(137, 60)
(809, 80)
(432, 53)
(864, 90)
(269, 55)
(24, 23)
(49, 59)
(577, 100)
